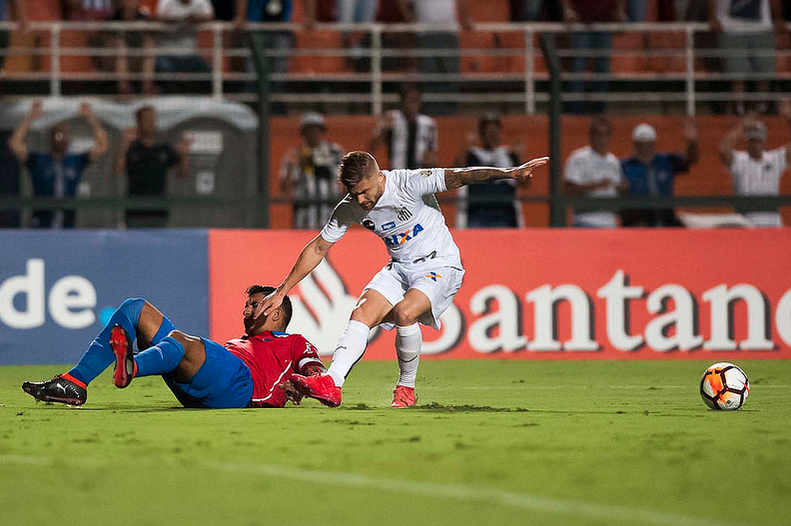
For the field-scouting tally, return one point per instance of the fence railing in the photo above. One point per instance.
(665, 64)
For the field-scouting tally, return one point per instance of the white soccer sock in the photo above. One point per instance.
(348, 351)
(409, 340)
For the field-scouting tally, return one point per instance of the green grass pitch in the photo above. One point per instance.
(492, 443)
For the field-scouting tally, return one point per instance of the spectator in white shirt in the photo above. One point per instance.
(757, 171)
(181, 40)
(595, 172)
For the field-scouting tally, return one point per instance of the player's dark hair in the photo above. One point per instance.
(266, 290)
(355, 166)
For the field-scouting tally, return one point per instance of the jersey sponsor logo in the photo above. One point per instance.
(433, 276)
(401, 238)
(403, 214)
(370, 225)
(388, 226)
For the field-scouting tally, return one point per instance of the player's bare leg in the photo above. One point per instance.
(409, 341)
(371, 309)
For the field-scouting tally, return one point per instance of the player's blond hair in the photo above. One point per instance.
(356, 166)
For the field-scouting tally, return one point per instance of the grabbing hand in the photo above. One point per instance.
(270, 303)
(525, 171)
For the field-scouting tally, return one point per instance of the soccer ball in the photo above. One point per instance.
(724, 386)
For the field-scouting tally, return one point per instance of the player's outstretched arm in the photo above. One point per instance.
(308, 259)
(458, 177)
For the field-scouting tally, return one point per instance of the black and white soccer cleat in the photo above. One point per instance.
(59, 389)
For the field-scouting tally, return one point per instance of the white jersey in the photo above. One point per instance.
(411, 230)
(583, 167)
(759, 177)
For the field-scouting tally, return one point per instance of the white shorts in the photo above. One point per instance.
(438, 281)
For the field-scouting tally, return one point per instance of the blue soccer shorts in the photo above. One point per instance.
(223, 381)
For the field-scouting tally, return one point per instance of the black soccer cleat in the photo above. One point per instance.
(125, 367)
(59, 389)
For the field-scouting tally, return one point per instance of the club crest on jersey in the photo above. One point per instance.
(425, 173)
(403, 214)
(433, 276)
(401, 238)
(367, 223)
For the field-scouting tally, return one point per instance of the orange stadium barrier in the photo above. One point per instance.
(544, 294)
(528, 134)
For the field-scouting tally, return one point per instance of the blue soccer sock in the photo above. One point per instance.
(99, 355)
(162, 358)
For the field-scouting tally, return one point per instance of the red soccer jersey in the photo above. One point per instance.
(272, 358)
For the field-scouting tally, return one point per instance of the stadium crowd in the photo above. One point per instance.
(308, 172)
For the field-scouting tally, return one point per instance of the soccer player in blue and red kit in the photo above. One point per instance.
(252, 371)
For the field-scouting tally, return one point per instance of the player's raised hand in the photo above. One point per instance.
(525, 171)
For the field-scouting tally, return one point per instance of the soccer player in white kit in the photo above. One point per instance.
(419, 282)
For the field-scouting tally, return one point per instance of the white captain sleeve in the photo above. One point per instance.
(339, 222)
(425, 181)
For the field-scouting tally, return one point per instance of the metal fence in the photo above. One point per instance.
(674, 66)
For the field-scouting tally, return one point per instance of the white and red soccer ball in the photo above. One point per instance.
(724, 386)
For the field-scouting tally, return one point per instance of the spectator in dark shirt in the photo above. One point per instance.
(146, 164)
(652, 174)
(494, 204)
(591, 42)
(130, 11)
(56, 173)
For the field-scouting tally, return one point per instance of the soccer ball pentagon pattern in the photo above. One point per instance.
(724, 386)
